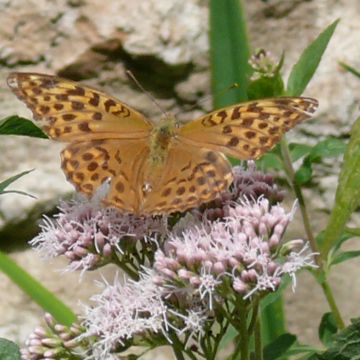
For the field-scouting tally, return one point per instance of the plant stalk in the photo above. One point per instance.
(290, 172)
(258, 340)
(332, 304)
(321, 273)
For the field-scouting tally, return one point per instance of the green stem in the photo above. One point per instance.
(219, 337)
(177, 346)
(331, 301)
(254, 316)
(258, 340)
(289, 169)
(242, 346)
(321, 273)
(133, 274)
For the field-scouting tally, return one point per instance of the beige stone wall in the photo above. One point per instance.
(164, 42)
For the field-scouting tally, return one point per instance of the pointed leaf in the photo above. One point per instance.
(348, 191)
(327, 329)
(330, 147)
(229, 51)
(16, 125)
(350, 69)
(18, 192)
(297, 151)
(279, 346)
(7, 182)
(344, 256)
(304, 69)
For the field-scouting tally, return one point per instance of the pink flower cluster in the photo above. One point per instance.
(232, 248)
(88, 234)
(122, 311)
(247, 184)
(245, 247)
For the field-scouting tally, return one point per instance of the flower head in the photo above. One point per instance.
(263, 63)
(122, 311)
(88, 234)
(247, 184)
(244, 248)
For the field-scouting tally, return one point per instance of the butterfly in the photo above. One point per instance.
(153, 167)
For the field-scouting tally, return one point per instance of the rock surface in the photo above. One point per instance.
(164, 42)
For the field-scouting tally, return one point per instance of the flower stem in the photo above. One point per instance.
(242, 346)
(177, 347)
(289, 169)
(254, 316)
(133, 274)
(321, 273)
(332, 304)
(258, 340)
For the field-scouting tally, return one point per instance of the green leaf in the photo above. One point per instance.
(297, 349)
(265, 87)
(345, 346)
(297, 151)
(304, 173)
(328, 148)
(347, 193)
(279, 346)
(43, 297)
(327, 329)
(344, 256)
(344, 236)
(350, 69)
(16, 125)
(273, 320)
(304, 69)
(269, 161)
(10, 180)
(274, 296)
(229, 51)
(9, 350)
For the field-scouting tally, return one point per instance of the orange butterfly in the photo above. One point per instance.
(154, 168)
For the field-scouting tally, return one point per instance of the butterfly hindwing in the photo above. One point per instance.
(89, 164)
(191, 176)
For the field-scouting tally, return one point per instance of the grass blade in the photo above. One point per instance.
(43, 297)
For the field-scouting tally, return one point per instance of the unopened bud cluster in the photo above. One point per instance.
(247, 184)
(53, 341)
(263, 63)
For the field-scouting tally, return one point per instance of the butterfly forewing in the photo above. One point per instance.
(247, 131)
(68, 111)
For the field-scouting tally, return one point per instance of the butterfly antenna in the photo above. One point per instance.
(209, 97)
(133, 78)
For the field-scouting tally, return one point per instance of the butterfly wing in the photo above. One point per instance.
(88, 164)
(191, 176)
(68, 111)
(248, 130)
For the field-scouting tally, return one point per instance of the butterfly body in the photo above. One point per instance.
(153, 168)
